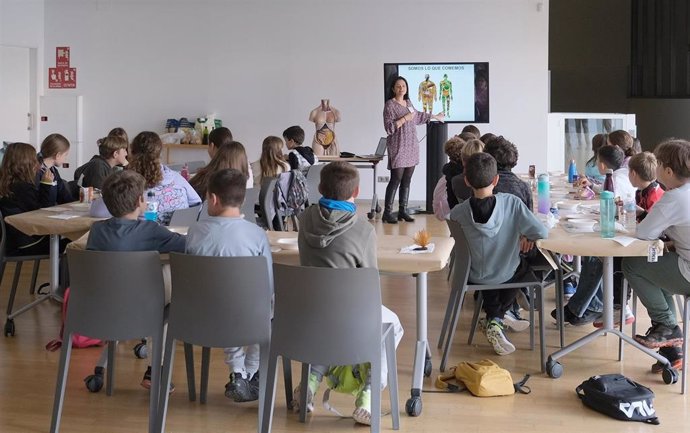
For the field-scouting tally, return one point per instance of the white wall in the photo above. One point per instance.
(263, 65)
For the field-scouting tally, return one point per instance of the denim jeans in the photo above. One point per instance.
(589, 294)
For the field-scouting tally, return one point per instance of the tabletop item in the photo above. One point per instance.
(422, 238)
(628, 216)
(572, 171)
(287, 243)
(543, 189)
(608, 182)
(151, 213)
(607, 214)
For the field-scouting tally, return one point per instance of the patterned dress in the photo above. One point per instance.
(402, 145)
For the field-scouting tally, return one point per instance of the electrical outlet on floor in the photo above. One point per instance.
(383, 179)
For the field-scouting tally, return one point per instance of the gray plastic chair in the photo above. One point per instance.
(251, 198)
(185, 217)
(307, 330)
(460, 286)
(111, 305)
(229, 307)
(313, 180)
(18, 261)
(194, 166)
(267, 204)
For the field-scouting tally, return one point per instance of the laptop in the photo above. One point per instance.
(380, 150)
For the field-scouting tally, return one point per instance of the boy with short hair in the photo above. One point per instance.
(656, 283)
(493, 225)
(332, 235)
(299, 157)
(123, 195)
(112, 151)
(226, 233)
(642, 175)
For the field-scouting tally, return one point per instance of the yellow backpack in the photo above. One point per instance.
(483, 379)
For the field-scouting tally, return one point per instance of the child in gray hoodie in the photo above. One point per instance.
(493, 225)
(332, 235)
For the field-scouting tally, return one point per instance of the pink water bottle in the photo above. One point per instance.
(185, 171)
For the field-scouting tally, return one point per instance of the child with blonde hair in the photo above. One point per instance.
(271, 163)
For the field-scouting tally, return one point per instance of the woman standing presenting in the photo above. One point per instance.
(400, 119)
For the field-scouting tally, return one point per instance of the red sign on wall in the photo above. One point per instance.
(62, 76)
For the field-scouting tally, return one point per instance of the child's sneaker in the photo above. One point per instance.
(146, 381)
(312, 387)
(254, 386)
(513, 321)
(659, 335)
(495, 335)
(568, 290)
(238, 389)
(629, 317)
(362, 413)
(674, 356)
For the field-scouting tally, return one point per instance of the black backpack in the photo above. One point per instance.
(619, 397)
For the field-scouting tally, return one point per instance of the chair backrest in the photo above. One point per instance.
(251, 198)
(267, 203)
(327, 316)
(230, 305)
(313, 180)
(463, 260)
(185, 217)
(115, 295)
(194, 166)
(176, 167)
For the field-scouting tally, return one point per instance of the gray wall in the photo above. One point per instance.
(589, 56)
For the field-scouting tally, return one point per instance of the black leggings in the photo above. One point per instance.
(401, 176)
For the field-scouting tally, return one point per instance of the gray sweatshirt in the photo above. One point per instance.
(494, 246)
(335, 239)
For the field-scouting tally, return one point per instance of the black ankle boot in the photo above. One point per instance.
(388, 216)
(402, 212)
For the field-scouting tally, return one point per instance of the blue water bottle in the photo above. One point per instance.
(543, 190)
(572, 171)
(151, 212)
(607, 215)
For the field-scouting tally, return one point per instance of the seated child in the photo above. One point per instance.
(591, 169)
(586, 305)
(453, 167)
(54, 152)
(19, 194)
(299, 157)
(271, 162)
(656, 283)
(642, 174)
(461, 190)
(506, 155)
(112, 151)
(333, 235)
(123, 194)
(228, 155)
(225, 233)
(171, 190)
(493, 226)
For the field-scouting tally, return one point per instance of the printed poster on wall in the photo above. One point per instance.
(62, 76)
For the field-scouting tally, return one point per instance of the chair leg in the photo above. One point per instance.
(634, 311)
(264, 350)
(376, 393)
(624, 302)
(451, 328)
(686, 328)
(166, 375)
(110, 376)
(304, 387)
(189, 363)
(34, 275)
(542, 330)
(13, 290)
(392, 377)
(475, 317)
(60, 385)
(156, 367)
(449, 309)
(532, 303)
(269, 398)
(205, 362)
(287, 379)
(680, 302)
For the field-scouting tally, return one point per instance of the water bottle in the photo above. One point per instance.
(185, 171)
(151, 213)
(608, 182)
(629, 215)
(543, 189)
(572, 171)
(607, 215)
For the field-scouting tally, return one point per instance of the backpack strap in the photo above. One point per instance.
(443, 381)
(520, 386)
(579, 392)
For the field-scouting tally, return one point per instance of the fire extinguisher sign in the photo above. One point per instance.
(62, 76)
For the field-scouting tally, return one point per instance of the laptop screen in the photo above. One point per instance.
(381, 148)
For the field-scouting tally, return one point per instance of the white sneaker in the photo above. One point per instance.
(515, 322)
(494, 333)
(629, 317)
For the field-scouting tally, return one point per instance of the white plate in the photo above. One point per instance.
(581, 222)
(275, 249)
(287, 243)
(567, 206)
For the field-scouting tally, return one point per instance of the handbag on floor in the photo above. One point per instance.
(482, 379)
(619, 397)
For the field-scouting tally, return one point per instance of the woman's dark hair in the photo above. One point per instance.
(505, 152)
(391, 93)
(487, 137)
